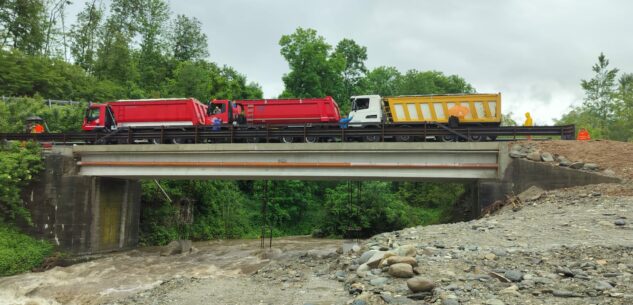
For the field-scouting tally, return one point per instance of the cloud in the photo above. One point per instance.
(534, 52)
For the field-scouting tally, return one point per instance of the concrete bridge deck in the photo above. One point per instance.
(323, 161)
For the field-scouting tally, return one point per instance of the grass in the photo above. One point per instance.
(20, 252)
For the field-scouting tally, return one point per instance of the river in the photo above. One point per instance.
(118, 275)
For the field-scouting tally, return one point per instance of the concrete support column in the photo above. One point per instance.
(82, 214)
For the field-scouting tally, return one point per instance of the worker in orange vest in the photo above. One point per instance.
(583, 135)
(37, 128)
(528, 123)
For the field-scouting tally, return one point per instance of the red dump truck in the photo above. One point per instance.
(190, 112)
(295, 111)
(145, 113)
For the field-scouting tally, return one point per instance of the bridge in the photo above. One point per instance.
(88, 198)
(323, 161)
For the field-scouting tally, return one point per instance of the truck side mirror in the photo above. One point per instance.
(209, 108)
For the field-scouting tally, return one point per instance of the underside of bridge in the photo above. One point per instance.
(88, 198)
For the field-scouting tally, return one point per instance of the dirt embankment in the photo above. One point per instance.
(609, 155)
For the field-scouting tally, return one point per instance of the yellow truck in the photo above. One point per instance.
(450, 109)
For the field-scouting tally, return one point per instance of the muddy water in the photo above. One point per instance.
(121, 274)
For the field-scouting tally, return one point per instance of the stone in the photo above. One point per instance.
(565, 294)
(608, 172)
(362, 270)
(420, 295)
(356, 288)
(176, 247)
(375, 260)
(494, 302)
(564, 162)
(379, 281)
(366, 256)
(512, 290)
(450, 302)
(359, 302)
(531, 194)
(514, 275)
(547, 157)
(534, 156)
(603, 285)
(619, 222)
(577, 165)
(564, 271)
(400, 260)
(406, 250)
(500, 277)
(516, 154)
(420, 284)
(590, 166)
(490, 256)
(401, 270)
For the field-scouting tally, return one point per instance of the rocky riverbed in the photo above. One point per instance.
(570, 246)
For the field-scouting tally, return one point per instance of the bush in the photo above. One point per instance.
(20, 252)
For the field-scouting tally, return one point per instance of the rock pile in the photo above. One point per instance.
(530, 151)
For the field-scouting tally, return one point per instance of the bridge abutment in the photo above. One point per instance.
(82, 214)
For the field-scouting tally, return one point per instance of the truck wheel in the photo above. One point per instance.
(287, 139)
(311, 139)
(404, 138)
(448, 138)
(476, 138)
(372, 138)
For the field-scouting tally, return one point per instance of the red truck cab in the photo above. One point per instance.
(225, 111)
(98, 117)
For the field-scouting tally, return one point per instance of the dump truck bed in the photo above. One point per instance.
(482, 108)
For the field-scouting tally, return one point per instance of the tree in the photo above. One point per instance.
(431, 82)
(600, 91)
(313, 72)
(383, 81)
(187, 40)
(25, 23)
(355, 69)
(84, 35)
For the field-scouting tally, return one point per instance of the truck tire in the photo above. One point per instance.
(311, 139)
(404, 138)
(287, 139)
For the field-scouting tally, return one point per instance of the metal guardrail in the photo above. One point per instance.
(309, 132)
(49, 102)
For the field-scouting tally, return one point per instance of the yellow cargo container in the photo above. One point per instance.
(483, 108)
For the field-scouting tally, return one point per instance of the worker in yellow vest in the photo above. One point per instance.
(528, 123)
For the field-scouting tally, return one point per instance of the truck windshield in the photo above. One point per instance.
(92, 114)
(360, 103)
(218, 108)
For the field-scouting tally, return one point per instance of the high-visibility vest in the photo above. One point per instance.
(37, 128)
(583, 135)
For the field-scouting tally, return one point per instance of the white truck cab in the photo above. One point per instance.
(366, 109)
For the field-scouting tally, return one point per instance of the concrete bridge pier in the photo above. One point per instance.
(82, 214)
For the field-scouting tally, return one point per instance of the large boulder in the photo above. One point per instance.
(420, 284)
(401, 270)
(366, 256)
(377, 258)
(405, 250)
(176, 247)
(534, 156)
(400, 260)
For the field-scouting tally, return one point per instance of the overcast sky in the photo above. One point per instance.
(534, 52)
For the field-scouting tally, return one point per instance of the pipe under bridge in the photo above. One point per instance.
(322, 161)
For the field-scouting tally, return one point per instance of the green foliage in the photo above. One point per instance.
(607, 111)
(187, 41)
(384, 206)
(23, 24)
(219, 210)
(84, 35)
(313, 71)
(19, 252)
(18, 164)
(58, 118)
